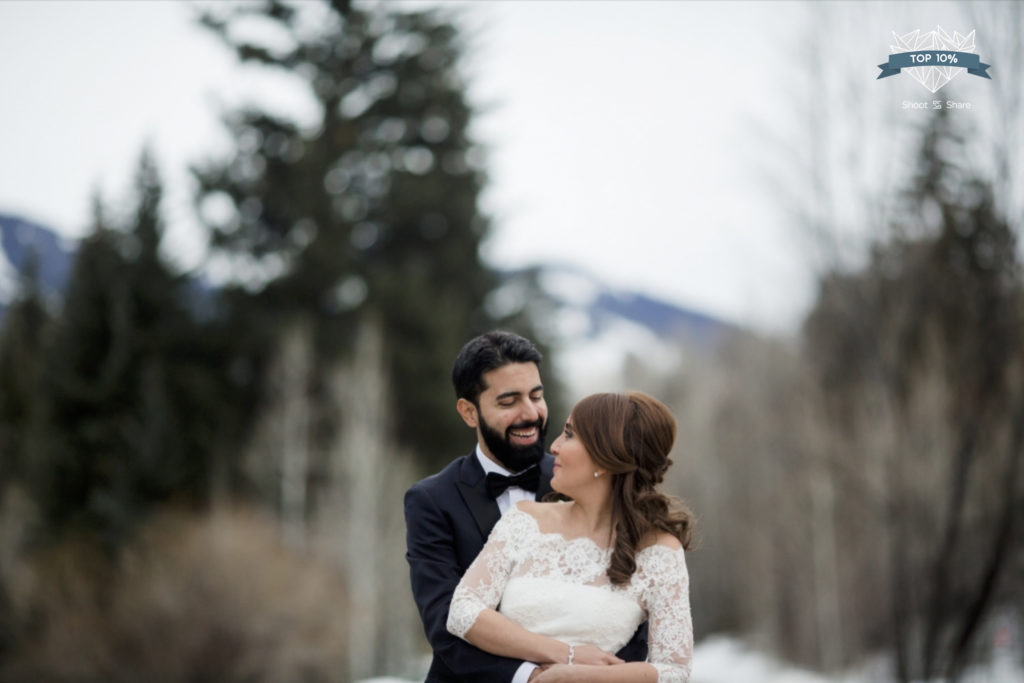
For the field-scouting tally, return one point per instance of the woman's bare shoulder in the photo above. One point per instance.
(661, 538)
(546, 514)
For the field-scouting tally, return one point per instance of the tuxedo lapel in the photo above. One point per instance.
(471, 486)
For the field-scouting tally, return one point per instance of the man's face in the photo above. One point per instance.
(512, 416)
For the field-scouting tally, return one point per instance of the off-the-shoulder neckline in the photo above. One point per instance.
(585, 539)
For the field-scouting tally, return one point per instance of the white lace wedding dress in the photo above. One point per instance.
(559, 588)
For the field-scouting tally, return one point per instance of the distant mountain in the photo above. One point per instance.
(579, 293)
(20, 240)
(599, 328)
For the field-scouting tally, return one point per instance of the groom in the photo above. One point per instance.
(449, 515)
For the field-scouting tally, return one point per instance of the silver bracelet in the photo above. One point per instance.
(572, 653)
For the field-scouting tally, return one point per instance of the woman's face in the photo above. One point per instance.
(573, 466)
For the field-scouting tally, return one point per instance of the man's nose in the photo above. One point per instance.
(529, 413)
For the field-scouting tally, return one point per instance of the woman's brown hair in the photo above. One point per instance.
(630, 435)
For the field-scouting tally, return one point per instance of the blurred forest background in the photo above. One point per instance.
(203, 481)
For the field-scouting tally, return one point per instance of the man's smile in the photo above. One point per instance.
(523, 435)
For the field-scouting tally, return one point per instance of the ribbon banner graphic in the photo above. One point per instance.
(904, 60)
(934, 58)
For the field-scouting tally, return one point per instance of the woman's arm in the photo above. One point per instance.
(495, 633)
(481, 587)
(667, 601)
(629, 672)
(473, 615)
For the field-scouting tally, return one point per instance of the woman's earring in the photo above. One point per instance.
(596, 475)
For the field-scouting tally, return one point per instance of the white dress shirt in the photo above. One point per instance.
(511, 495)
(508, 498)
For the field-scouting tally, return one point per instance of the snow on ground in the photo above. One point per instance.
(727, 660)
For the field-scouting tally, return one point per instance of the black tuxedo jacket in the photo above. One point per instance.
(448, 517)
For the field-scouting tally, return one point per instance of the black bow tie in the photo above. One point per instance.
(527, 479)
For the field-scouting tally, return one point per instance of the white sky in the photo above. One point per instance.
(630, 138)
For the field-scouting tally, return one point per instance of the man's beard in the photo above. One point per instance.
(514, 458)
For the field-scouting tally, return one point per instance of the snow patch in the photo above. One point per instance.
(572, 286)
(590, 364)
(726, 660)
(721, 659)
(8, 280)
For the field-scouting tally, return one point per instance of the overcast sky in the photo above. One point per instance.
(632, 139)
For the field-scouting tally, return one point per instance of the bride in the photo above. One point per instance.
(564, 584)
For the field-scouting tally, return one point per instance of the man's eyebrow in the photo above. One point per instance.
(512, 394)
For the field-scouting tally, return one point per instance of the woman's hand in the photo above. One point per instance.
(584, 658)
(588, 654)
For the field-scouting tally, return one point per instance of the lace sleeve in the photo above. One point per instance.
(667, 600)
(484, 582)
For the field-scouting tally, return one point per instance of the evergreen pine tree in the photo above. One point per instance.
(127, 422)
(21, 363)
(372, 212)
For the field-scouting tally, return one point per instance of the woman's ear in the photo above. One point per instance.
(468, 412)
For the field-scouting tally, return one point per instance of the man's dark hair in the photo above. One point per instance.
(485, 353)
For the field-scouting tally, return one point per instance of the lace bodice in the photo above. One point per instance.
(559, 587)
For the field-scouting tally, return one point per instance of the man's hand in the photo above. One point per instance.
(538, 671)
(588, 654)
(561, 673)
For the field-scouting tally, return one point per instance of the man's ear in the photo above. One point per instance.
(468, 412)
